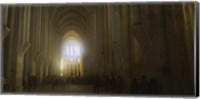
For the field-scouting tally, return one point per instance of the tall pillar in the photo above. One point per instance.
(188, 14)
(8, 52)
(19, 73)
(81, 68)
(126, 39)
(36, 33)
(177, 58)
(41, 74)
(68, 69)
(71, 70)
(46, 71)
(74, 69)
(77, 70)
(23, 47)
(135, 23)
(6, 17)
(46, 34)
(109, 37)
(126, 47)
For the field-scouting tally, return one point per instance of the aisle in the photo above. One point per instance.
(68, 89)
(65, 89)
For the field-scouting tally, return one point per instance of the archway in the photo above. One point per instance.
(72, 51)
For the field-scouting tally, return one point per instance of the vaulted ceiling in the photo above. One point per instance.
(66, 18)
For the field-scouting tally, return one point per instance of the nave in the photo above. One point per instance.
(123, 48)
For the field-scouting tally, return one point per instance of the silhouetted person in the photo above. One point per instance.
(4, 84)
(135, 86)
(53, 81)
(113, 83)
(119, 84)
(96, 83)
(143, 85)
(106, 81)
(29, 83)
(32, 82)
(47, 80)
(153, 86)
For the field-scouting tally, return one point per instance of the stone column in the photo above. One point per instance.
(126, 36)
(19, 73)
(46, 34)
(23, 47)
(9, 42)
(110, 38)
(77, 70)
(178, 59)
(188, 14)
(38, 50)
(69, 69)
(13, 53)
(75, 66)
(126, 47)
(33, 40)
(47, 70)
(7, 14)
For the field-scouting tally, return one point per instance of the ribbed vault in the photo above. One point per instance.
(67, 18)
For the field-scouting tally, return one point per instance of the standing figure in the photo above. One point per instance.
(135, 86)
(143, 85)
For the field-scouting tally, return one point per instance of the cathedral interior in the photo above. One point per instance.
(118, 49)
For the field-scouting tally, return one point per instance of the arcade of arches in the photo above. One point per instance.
(126, 40)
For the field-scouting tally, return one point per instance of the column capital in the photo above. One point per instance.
(6, 30)
(38, 54)
(24, 48)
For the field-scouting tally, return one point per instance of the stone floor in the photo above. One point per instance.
(68, 89)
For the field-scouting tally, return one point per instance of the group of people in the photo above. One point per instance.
(32, 83)
(107, 82)
(145, 86)
(98, 82)
(116, 84)
(112, 83)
